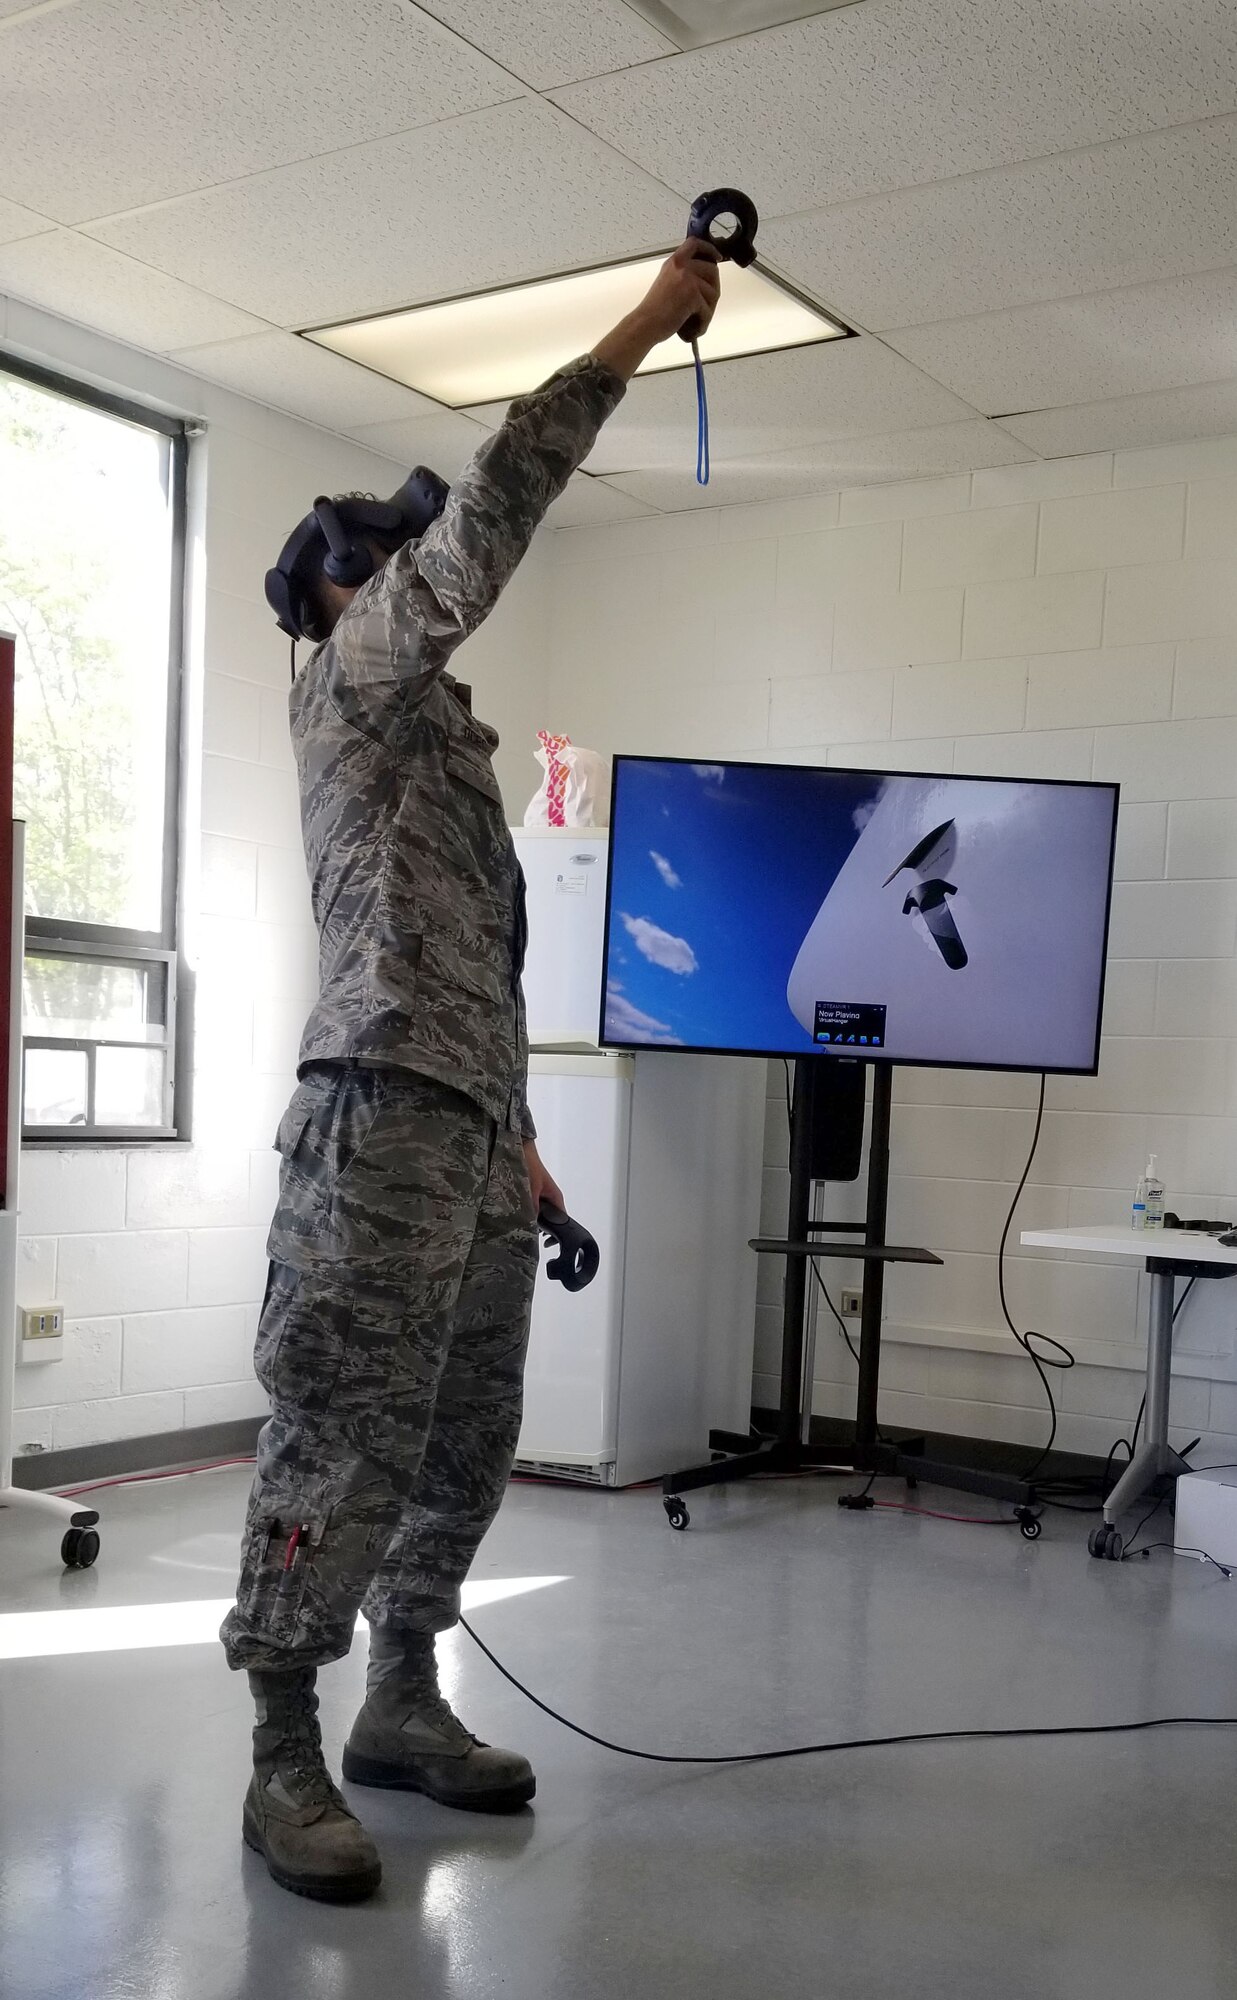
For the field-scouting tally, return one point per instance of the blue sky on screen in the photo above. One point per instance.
(717, 874)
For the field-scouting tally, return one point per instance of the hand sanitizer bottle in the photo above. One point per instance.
(1154, 1198)
(1138, 1215)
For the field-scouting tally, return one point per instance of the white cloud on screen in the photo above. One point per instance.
(660, 947)
(712, 774)
(664, 869)
(625, 1023)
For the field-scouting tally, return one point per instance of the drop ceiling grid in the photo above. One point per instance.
(16, 222)
(158, 94)
(517, 192)
(1088, 349)
(66, 273)
(1159, 205)
(895, 93)
(551, 42)
(923, 170)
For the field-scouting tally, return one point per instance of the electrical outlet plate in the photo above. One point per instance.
(852, 1304)
(42, 1333)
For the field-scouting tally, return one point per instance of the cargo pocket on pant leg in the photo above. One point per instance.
(302, 1344)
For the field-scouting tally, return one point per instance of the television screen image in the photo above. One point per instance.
(772, 909)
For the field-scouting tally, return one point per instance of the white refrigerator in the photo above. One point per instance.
(659, 1155)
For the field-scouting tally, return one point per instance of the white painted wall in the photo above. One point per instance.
(1076, 618)
(157, 1253)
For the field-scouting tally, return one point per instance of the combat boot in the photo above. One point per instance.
(294, 1817)
(407, 1739)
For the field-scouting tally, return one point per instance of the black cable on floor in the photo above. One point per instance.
(1204, 1555)
(856, 1742)
(1129, 1549)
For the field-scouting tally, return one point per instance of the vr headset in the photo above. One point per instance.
(334, 539)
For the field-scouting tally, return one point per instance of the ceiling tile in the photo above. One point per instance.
(517, 192)
(896, 93)
(1139, 209)
(548, 42)
(17, 222)
(1208, 410)
(825, 467)
(770, 402)
(82, 280)
(591, 503)
(1085, 350)
(166, 95)
(445, 440)
(292, 374)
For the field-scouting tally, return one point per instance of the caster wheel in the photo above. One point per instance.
(676, 1513)
(1030, 1528)
(80, 1548)
(1116, 1547)
(1106, 1544)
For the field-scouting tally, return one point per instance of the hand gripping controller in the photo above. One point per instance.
(578, 1257)
(728, 220)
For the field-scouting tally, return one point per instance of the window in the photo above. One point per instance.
(91, 584)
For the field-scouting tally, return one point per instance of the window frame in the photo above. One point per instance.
(89, 941)
(77, 952)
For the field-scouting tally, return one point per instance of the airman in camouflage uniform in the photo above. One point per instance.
(403, 1249)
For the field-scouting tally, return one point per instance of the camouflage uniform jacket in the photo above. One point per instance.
(417, 893)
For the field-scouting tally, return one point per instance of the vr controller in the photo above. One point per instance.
(578, 1258)
(728, 220)
(333, 541)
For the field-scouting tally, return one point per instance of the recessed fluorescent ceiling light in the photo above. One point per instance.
(692, 23)
(496, 345)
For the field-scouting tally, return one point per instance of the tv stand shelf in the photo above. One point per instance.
(868, 1452)
(867, 1253)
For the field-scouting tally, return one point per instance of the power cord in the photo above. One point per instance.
(856, 1742)
(1149, 1548)
(1061, 1357)
(1131, 1550)
(1058, 1493)
(843, 1329)
(799, 1750)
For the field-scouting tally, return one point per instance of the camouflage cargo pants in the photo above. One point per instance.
(391, 1343)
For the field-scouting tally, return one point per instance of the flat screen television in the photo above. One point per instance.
(904, 917)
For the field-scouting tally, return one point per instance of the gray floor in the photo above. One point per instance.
(982, 1871)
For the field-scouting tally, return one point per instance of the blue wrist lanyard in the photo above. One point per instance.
(702, 420)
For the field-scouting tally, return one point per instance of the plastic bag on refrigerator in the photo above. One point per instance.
(575, 790)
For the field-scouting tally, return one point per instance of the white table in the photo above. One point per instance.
(1166, 1254)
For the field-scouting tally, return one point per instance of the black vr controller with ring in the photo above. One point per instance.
(578, 1257)
(728, 220)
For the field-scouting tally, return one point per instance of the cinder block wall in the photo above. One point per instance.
(1074, 618)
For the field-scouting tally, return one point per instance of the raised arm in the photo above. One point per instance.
(404, 625)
